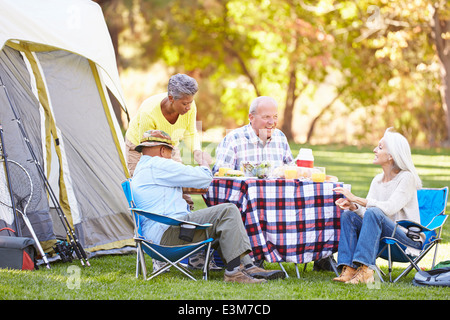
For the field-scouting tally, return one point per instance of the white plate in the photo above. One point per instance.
(235, 178)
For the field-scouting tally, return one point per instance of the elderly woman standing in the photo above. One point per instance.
(392, 196)
(174, 112)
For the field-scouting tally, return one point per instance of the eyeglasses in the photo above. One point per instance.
(266, 117)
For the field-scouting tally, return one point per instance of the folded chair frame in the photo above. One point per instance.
(143, 246)
(172, 255)
(396, 252)
(413, 262)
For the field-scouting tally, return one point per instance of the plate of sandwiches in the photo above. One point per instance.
(232, 174)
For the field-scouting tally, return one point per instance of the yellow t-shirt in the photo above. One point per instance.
(150, 117)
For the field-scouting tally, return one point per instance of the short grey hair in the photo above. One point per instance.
(256, 101)
(181, 85)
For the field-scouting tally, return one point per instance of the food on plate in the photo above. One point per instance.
(234, 173)
(261, 170)
(304, 172)
(329, 178)
(222, 171)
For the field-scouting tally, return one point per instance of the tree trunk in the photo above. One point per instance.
(322, 112)
(245, 70)
(441, 27)
(291, 97)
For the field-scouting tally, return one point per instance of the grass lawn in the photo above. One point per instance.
(113, 277)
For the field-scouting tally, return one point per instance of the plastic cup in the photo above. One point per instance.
(318, 174)
(290, 173)
(187, 232)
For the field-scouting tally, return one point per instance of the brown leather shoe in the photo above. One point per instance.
(346, 274)
(242, 277)
(363, 275)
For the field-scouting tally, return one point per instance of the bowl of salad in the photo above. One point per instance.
(260, 170)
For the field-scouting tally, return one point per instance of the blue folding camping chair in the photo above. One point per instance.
(432, 204)
(171, 255)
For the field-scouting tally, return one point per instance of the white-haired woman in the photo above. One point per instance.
(392, 196)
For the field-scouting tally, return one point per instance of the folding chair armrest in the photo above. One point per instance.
(168, 220)
(197, 225)
(409, 223)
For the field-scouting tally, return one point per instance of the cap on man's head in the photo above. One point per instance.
(152, 138)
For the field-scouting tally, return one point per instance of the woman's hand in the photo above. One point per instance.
(346, 193)
(351, 198)
(345, 204)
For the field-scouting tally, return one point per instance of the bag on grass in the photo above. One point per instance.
(442, 264)
(17, 253)
(437, 277)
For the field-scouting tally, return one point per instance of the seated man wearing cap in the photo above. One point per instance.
(157, 187)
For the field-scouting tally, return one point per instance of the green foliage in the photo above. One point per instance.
(389, 70)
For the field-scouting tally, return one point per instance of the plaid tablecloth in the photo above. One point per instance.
(286, 220)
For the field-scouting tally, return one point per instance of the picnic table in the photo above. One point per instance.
(287, 220)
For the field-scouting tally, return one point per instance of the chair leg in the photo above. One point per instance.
(138, 270)
(140, 262)
(389, 262)
(208, 256)
(411, 264)
(333, 265)
(296, 271)
(137, 261)
(282, 268)
(143, 266)
(380, 273)
(435, 255)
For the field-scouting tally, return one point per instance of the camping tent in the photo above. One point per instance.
(57, 64)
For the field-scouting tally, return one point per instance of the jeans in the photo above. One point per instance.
(360, 237)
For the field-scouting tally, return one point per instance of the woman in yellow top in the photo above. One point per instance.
(174, 112)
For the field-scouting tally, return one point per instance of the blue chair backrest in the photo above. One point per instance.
(127, 190)
(126, 186)
(432, 202)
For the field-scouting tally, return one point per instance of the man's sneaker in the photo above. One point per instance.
(158, 265)
(259, 273)
(197, 261)
(241, 276)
